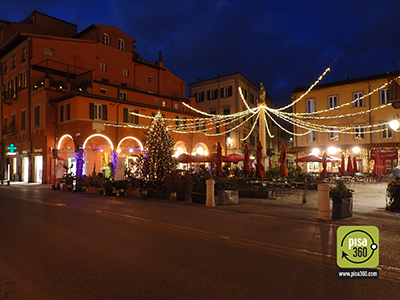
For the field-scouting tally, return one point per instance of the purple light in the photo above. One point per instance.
(79, 163)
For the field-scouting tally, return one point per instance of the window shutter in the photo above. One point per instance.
(91, 109)
(230, 91)
(216, 94)
(125, 115)
(104, 112)
(62, 113)
(68, 112)
(222, 92)
(208, 95)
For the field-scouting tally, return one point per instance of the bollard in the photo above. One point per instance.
(210, 200)
(324, 212)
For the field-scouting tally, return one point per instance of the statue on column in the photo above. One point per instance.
(262, 93)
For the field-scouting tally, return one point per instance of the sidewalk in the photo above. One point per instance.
(368, 206)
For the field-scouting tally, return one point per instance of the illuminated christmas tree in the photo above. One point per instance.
(157, 163)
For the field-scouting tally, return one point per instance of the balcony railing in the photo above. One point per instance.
(10, 129)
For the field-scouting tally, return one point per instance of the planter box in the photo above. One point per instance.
(93, 190)
(264, 194)
(132, 192)
(183, 196)
(342, 209)
(228, 197)
(199, 198)
(246, 193)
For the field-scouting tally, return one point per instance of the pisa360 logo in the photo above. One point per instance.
(357, 247)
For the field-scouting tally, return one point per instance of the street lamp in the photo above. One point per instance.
(394, 124)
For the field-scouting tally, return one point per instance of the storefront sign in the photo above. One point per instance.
(384, 153)
(24, 151)
(37, 150)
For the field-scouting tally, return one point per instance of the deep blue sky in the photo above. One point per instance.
(285, 44)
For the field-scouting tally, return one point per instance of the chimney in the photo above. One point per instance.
(159, 56)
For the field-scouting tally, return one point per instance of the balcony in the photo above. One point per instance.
(10, 129)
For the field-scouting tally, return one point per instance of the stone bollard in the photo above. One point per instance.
(324, 212)
(210, 200)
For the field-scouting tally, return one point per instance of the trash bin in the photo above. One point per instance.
(15, 177)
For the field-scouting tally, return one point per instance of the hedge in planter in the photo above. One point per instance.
(342, 198)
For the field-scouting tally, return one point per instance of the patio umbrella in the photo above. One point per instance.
(235, 158)
(349, 166)
(324, 173)
(185, 158)
(377, 166)
(246, 167)
(218, 160)
(384, 170)
(355, 165)
(342, 167)
(282, 160)
(259, 165)
(309, 158)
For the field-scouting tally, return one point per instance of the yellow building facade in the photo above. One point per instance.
(362, 105)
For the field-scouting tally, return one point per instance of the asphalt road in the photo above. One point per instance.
(60, 245)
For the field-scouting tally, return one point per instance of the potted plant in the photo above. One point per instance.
(185, 186)
(68, 181)
(342, 200)
(95, 182)
(133, 186)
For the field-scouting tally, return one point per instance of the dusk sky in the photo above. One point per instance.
(285, 44)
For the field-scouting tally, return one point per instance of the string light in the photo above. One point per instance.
(252, 128)
(266, 125)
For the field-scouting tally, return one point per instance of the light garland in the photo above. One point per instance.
(252, 128)
(284, 129)
(266, 125)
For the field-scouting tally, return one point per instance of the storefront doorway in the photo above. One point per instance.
(38, 169)
(25, 169)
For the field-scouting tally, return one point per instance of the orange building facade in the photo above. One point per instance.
(76, 94)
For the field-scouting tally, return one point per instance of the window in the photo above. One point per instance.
(333, 102)
(125, 72)
(244, 93)
(203, 125)
(184, 124)
(177, 122)
(212, 94)
(130, 116)
(5, 67)
(333, 134)
(98, 111)
(14, 62)
(122, 96)
(217, 128)
(252, 140)
(14, 84)
(121, 45)
(103, 66)
(387, 132)
(226, 92)
(23, 118)
(151, 79)
(357, 101)
(88, 37)
(48, 51)
(252, 98)
(37, 116)
(103, 91)
(65, 113)
(199, 97)
(12, 121)
(23, 55)
(312, 137)
(176, 105)
(359, 132)
(227, 111)
(157, 101)
(310, 105)
(106, 39)
(385, 96)
(163, 103)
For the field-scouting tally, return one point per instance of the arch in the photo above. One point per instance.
(100, 135)
(201, 149)
(121, 44)
(106, 39)
(131, 138)
(180, 147)
(62, 139)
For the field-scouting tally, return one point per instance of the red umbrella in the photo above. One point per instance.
(282, 160)
(185, 158)
(259, 165)
(218, 160)
(342, 167)
(246, 167)
(235, 158)
(384, 170)
(355, 165)
(309, 158)
(349, 166)
(378, 165)
(324, 164)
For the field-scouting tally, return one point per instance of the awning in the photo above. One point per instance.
(298, 149)
(382, 146)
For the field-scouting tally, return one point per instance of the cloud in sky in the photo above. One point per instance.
(283, 44)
